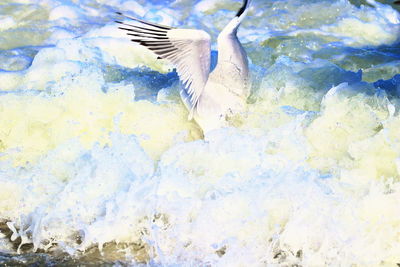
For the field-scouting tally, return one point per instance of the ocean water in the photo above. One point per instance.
(100, 166)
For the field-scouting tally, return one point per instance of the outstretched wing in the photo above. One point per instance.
(233, 25)
(188, 50)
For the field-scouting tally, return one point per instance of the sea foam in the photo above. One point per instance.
(96, 151)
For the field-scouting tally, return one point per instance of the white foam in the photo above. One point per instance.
(6, 23)
(133, 6)
(64, 12)
(308, 175)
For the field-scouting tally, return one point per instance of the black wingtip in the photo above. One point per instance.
(163, 27)
(119, 22)
(242, 9)
(396, 2)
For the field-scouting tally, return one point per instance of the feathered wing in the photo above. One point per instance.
(188, 50)
(233, 25)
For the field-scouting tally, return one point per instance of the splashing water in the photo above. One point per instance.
(98, 163)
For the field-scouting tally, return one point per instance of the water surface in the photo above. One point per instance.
(100, 166)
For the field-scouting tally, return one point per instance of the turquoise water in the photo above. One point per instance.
(99, 164)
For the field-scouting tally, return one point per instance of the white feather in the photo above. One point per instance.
(209, 97)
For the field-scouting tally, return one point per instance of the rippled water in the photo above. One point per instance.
(99, 165)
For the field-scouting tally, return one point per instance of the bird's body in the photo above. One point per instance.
(210, 97)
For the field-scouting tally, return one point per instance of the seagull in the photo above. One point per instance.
(212, 98)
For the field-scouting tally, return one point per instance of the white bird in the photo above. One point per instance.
(211, 98)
